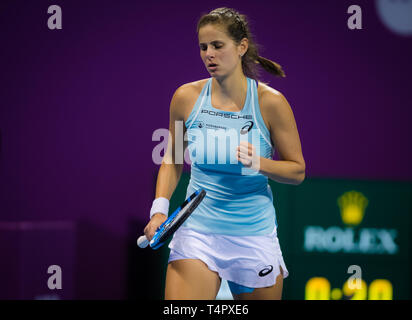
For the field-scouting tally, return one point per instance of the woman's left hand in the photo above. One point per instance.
(246, 154)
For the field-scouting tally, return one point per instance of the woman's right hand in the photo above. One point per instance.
(154, 224)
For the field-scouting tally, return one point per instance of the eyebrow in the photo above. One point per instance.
(212, 42)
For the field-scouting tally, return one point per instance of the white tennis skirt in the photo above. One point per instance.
(250, 261)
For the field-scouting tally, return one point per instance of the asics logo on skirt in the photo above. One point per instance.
(265, 271)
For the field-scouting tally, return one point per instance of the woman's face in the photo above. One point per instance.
(218, 49)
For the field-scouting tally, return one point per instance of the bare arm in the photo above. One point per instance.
(290, 169)
(171, 168)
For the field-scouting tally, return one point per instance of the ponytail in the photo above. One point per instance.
(271, 66)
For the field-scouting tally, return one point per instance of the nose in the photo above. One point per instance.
(210, 53)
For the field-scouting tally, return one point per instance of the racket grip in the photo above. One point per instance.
(142, 242)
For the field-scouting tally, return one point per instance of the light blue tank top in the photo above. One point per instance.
(238, 200)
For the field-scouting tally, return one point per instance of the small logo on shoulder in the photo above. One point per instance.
(265, 271)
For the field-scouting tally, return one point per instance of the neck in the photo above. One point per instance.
(231, 88)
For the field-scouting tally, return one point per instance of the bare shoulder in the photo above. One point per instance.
(185, 98)
(269, 97)
(272, 103)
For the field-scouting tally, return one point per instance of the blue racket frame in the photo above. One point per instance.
(161, 235)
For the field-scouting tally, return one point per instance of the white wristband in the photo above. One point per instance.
(160, 205)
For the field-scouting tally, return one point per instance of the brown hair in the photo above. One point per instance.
(237, 28)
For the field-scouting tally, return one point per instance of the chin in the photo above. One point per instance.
(218, 75)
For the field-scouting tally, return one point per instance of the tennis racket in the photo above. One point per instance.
(174, 221)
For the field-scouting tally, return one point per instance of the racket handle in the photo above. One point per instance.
(142, 242)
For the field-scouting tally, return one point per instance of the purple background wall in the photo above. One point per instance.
(78, 106)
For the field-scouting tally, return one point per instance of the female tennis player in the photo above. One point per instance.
(232, 234)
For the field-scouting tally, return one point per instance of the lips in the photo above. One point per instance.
(212, 67)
